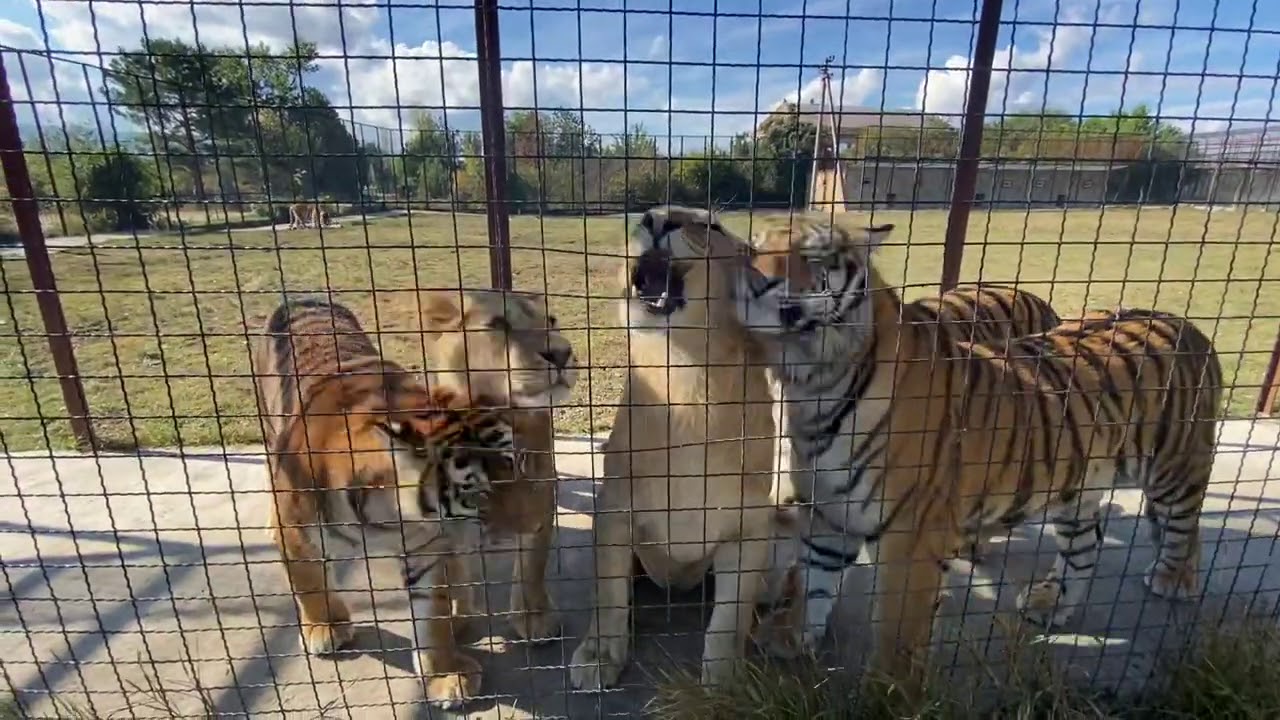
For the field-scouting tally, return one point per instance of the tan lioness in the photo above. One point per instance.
(687, 467)
(506, 345)
(303, 215)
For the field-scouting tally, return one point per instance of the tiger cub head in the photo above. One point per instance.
(449, 458)
(810, 282)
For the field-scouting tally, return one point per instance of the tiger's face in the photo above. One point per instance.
(808, 278)
(449, 461)
(678, 268)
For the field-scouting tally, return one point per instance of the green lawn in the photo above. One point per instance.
(160, 326)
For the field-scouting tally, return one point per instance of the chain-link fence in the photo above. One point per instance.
(176, 171)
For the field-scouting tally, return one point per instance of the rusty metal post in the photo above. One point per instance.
(1269, 393)
(26, 214)
(493, 135)
(975, 111)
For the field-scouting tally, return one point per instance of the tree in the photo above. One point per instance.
(181, 94)
(1160, 139)
(547, 158)
(788, 140)
(121, 185)
(711, 177)
(935, 141)
(431, 157)
(195, 102)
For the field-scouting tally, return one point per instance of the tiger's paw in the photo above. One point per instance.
(779, 635)
(1179, 585)
(450, 681)
(326, 638)
(1042, 603)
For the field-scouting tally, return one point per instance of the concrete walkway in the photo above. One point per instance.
(67, 242)
(126, 573)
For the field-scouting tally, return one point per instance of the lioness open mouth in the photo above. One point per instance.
(658, 283)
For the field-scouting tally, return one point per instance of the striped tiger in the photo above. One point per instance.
(990, 314)
(907, 436)
(361, 453)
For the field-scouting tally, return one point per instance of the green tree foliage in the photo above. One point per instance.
(548, 159)
(196, 103)
(782, 148)
(935, 141)
(713, 178)
(121, 186)
(430, 157)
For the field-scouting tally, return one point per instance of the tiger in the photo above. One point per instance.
(361, 453)
(305, 214)
(990, 314)
(922, 440)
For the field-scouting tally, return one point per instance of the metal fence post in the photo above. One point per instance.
(1269, 393)
(975, 111)
(26, 214)
(493, 129)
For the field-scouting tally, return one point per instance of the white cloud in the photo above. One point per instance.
(446, 75)
(17, 35)
(845, 91)
(1017, 78)
(657, 47)
(431, 73)
(219, 23)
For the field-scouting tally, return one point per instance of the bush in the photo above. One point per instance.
(118, 188)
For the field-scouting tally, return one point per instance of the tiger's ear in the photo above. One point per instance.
(876, 235)
(441, 310)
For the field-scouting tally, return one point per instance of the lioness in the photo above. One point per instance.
(506, 345)
(302, 215)
(688, 464)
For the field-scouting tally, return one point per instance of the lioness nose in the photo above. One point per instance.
(558, 357)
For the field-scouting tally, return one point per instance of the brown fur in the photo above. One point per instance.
(980, 438)
(506, 345)
(688, 462)
(990, 314)
(326, 399)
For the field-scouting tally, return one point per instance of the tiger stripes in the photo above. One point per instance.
(905, 434)
(360, 454)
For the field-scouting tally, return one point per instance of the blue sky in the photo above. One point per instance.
(659, 66)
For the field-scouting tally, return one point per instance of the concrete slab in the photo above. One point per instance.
(143, 586)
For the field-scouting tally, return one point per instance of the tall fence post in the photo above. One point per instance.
(975, 112)
(493, 130)
(1269, 393)
(26, 213)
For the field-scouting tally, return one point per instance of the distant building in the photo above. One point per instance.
(905, 159)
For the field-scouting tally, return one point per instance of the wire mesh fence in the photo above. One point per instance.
(172, 432)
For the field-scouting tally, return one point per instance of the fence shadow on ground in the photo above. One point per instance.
(91, 613)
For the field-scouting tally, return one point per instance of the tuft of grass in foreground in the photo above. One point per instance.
(1231, 673)
(1227, 672)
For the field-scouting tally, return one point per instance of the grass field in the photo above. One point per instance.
(160, 324)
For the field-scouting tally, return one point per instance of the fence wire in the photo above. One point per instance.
(175, 172)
